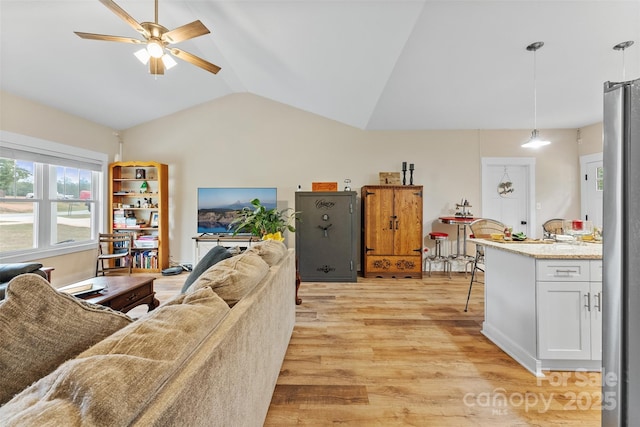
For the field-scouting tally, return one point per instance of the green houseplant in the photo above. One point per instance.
(263, 222)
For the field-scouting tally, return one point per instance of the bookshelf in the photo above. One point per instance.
(139, 204)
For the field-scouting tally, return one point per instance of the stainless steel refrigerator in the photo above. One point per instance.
(621, 255)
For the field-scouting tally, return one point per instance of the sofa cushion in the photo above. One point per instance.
(40, 328)
(234, 277)
(9, 271)
(214, 256)
(111, 382)
(271, 251)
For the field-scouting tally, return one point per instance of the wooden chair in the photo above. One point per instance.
(553, 226)
(114, 253)
(481, 229)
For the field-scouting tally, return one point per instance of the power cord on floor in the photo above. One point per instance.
(185, 265)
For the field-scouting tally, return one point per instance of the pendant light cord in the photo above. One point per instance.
(533, 47)
(535, 93)
(535, 141)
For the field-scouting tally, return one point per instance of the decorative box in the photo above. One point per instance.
(390, 178)
(324, 186)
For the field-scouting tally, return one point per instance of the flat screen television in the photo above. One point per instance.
(218, 206)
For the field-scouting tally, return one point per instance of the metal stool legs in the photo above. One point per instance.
(437, 257)
(478, 259)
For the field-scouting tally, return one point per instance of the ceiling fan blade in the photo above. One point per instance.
(112, 6)
(108, 38)
(185, 32)
(195, 60)
(156, 66)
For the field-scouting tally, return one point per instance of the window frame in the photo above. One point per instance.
(9, 141)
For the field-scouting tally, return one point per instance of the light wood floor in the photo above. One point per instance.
(402, 352)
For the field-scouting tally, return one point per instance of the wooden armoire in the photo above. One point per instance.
(392, 231)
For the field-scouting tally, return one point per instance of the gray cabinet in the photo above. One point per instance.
(326, 239)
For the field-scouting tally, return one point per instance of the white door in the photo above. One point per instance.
(592, 188)
(507, 192)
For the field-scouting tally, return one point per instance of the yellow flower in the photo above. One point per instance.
(274, 236)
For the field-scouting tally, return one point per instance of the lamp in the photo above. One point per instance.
(143, 56)
(167, 60)
(535, 141)
(155, 48)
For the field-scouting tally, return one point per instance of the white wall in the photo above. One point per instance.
(246, 140)
(22, 116)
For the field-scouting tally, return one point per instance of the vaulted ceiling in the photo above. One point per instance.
(372, 64)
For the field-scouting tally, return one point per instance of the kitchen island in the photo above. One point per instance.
(543, 303)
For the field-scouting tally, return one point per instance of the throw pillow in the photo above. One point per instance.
(272, 251)
(214, 256)
(111, 382)
(233, 278)
(40, 328)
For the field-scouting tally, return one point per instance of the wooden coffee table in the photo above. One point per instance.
(123, 293)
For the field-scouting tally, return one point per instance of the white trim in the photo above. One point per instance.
(530, 164)
(16, 141)
(584, 160)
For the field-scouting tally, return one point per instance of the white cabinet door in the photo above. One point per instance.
(564, 322)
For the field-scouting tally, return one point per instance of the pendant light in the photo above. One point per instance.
(535, 141)
(622, 46)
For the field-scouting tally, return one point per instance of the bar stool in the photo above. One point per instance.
(437, 257)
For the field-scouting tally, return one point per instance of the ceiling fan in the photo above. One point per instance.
(158, 40)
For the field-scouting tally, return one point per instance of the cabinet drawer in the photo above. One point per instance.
(596, 270)
(131, 296)
(393, 266)
(563, 270)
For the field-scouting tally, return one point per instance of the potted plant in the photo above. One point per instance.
(263, 222)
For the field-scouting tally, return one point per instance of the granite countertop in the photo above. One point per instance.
(556, 250)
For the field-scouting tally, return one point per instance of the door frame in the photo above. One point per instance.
(584, 161)
(530, 165)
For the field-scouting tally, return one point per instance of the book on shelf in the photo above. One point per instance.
(148, 237)
(146, 260)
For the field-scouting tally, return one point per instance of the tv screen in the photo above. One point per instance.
(217, 207)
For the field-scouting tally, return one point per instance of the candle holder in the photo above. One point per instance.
(411, 174)
(404, 173)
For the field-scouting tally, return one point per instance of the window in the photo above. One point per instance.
(599, 178)
(50, 198)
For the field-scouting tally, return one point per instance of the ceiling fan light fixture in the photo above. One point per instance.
(168, 62)
(155, 48)
(535, 141)
(143, 56)
(157, 39)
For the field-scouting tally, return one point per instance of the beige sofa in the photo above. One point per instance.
(192, 362)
